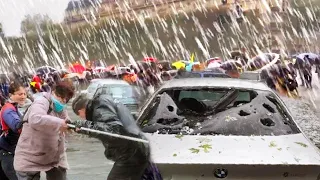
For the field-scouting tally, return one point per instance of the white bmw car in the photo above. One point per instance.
(216, 128)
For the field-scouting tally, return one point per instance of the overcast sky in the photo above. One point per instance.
(13, 11)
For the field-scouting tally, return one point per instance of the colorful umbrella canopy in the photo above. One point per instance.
(190, 65)
(179, 65)
(214, 64)
(77, 68)
(150, 59)
(212, 60)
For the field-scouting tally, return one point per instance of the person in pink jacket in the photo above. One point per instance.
(41, 146)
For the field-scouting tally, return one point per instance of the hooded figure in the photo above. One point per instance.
(103, 113)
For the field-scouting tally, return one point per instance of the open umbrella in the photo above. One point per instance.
(77, 68)
(231, 65)
(189, 66)
(178, 65)
(45, 70)
(311, 57)
(150, 59)
(212, 60)
(214, 64)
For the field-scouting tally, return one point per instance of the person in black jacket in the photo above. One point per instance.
(103, 113)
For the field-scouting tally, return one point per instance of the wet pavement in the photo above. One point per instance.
(86, 159)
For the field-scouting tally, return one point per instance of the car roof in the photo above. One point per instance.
(109, 81)
(215, 82)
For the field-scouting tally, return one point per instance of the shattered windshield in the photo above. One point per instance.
(210, 111)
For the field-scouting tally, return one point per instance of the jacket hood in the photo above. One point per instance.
(101, 101)
(89, 111)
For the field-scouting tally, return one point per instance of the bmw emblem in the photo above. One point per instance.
(220, 173)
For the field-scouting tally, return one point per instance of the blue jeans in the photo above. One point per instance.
(7, 171)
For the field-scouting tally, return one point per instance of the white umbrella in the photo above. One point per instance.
(311, 56)
(214, 65)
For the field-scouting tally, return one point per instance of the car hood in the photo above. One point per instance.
(263, 150)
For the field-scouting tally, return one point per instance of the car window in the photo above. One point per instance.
(244, 96)
(121, 91)
(92, 87)
(217, 111)
(212, 95)
(117, 91)
(202, 95)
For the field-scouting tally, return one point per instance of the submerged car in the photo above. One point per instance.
(223, 128)
(120, 90)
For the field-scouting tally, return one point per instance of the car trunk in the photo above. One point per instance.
(235, 157)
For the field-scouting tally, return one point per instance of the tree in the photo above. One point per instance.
(36, 24)
(1, 31)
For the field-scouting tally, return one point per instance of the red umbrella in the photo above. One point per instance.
(77, 68)
(212, 60)
(150, 59)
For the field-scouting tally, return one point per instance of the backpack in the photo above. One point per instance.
(5, 128)
(25, 112)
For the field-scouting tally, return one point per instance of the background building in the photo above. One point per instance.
(81, 12)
